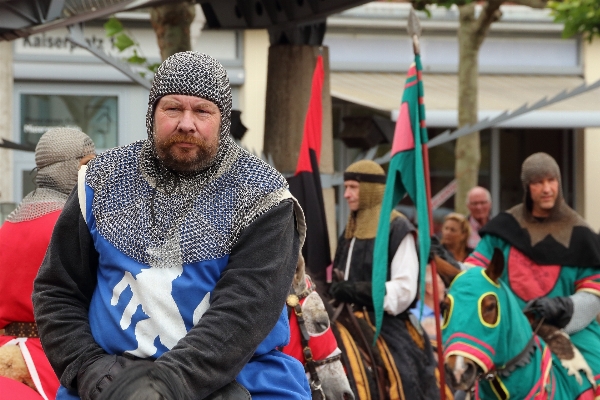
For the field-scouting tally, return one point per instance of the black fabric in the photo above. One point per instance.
(416, 366)
(145, 381)
(359, 293)
(361, 264)
(438, 249)
(556, 311)
(583, 250)
(361, 177)
(306, 188)
(62, 292)
(245, 304)
(98, 373)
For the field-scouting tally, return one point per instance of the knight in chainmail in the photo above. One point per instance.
(24, 238)
(170, 265)
(411, 366)
(552, 257)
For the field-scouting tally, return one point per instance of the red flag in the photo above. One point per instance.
(305, 185)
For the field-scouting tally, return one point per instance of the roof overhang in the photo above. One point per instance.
(497, 93)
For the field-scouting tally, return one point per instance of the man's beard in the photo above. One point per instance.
(191, 159)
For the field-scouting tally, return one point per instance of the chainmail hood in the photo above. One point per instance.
(57, 157)
(370, 176)
(192, 74)
(562, 218)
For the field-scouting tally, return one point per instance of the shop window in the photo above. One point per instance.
(97, 116)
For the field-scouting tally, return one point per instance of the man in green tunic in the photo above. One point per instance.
(552, 257)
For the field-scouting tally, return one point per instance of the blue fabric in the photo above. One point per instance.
(427, 312)
(116, 333)
(65, 394)
(275, 376)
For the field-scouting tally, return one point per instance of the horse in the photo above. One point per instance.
(491, 350)
(312, 341)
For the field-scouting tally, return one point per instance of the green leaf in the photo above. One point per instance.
(122, 41)
(113, 26)
(153, 67)
(136, 58)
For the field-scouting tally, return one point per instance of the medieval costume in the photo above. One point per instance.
(551, 264)
(411, 372)
(24, 238)
(189, 270)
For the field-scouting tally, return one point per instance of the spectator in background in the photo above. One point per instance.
(455, 234)
(479, 203)
(428, 320)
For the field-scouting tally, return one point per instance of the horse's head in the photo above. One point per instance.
(483, 324)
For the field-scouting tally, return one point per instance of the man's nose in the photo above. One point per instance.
(547, 187)
(186, 123)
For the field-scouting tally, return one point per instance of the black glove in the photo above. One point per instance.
(145, 381)
(358, 293)
(439, 250)
(556, 311)
(98, 373)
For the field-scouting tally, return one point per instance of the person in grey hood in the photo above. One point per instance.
(168, 270)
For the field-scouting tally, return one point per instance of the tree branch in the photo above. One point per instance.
(532, 3)
(490, 13)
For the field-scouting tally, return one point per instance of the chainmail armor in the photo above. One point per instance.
(37, 204)
(209, 214)
(586, 306)
(57, 157)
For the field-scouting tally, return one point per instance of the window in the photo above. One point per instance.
(97, 116)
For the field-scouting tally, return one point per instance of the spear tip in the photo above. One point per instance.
(413, 25)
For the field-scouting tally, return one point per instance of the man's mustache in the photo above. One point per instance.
(178, 138)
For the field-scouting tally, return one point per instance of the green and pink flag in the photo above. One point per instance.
(408, 173)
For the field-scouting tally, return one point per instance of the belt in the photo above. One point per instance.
(20, 329)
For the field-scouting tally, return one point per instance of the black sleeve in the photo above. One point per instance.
(62, 292)
(245, 305)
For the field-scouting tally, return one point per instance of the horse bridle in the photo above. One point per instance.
(520, 359)
(310, 366)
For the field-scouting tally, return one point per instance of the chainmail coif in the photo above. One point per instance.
(57, 157)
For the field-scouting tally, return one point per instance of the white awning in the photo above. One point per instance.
(497, 93)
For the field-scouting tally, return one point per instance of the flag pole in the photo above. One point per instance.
(414, 31)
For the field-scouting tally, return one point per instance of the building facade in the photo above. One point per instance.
(522, 60)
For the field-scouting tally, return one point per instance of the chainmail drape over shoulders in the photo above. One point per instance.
(207, 213)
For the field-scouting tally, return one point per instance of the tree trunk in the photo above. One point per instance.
(467, 151)
(171, 22)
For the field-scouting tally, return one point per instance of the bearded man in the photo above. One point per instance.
(552, 257)
(24, 238)
(412, 372)
(167, 273)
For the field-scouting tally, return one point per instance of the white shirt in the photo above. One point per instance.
(401, 289)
